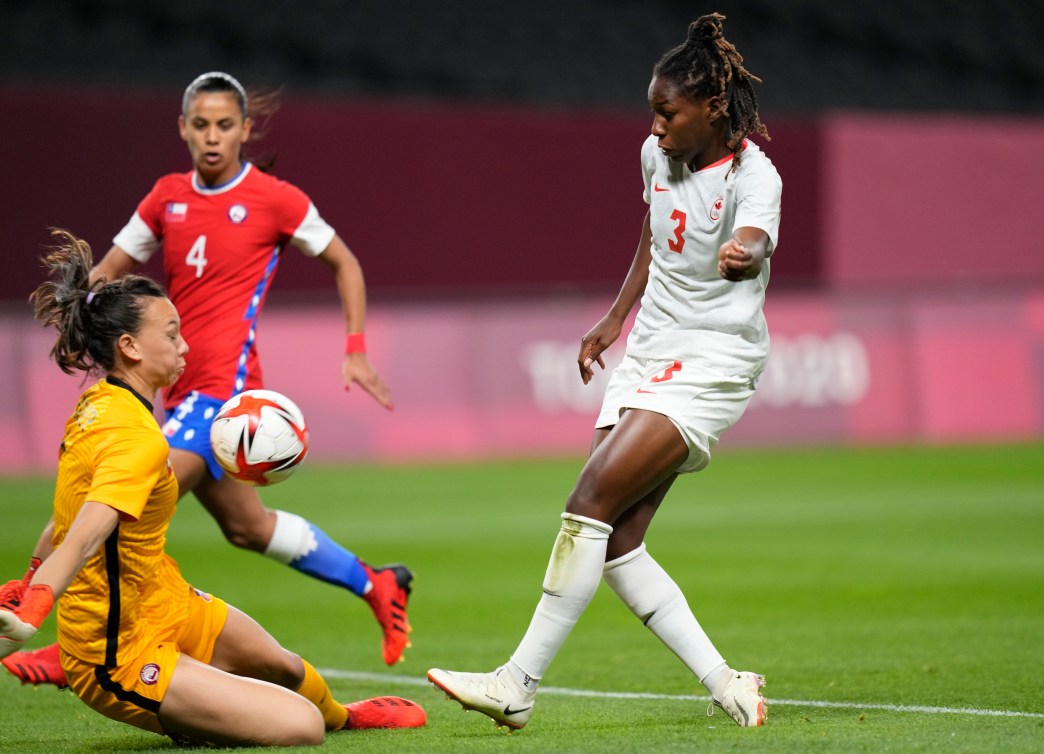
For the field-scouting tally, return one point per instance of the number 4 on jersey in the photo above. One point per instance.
(197, 255)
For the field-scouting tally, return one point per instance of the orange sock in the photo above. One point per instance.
(314, 689)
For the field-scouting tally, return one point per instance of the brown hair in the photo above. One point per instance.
(89, 318)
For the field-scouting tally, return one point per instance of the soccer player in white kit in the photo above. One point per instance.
(698, 344)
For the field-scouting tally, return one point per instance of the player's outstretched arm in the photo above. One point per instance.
(351, 287)
(93, 525)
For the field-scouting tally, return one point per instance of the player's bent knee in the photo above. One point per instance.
(584, 502)
(244, 529)
(305, 729)
(284, 670)
(284, 719)
(238, 510)
(244, 539)
(291, 721)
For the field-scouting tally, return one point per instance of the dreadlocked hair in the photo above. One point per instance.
(89, 318)
(708, 65)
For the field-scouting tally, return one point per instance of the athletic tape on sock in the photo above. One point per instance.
(291, 539)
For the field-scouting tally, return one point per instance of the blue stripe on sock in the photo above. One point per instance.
(333, 564)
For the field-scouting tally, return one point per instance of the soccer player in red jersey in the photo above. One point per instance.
(221, 228)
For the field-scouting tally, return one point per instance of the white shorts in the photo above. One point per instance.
(701, 402)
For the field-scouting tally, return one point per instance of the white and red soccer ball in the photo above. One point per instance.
(259, 437)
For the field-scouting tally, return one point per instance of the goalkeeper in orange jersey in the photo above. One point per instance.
(222, 228)
(138, 643)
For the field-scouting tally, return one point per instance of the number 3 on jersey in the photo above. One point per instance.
(678, 242)
(197, 256)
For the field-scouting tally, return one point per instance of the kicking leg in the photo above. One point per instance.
(508, 694)
(282, 536)
(294, 541)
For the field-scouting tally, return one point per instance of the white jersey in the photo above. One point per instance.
(688, 311)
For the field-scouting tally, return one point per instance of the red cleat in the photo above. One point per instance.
(384, 712)
(387, 598)
(36, 667)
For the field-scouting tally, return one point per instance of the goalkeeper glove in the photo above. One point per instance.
(11, 592)
(21, 624)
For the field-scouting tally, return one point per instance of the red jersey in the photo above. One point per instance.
(221, 246)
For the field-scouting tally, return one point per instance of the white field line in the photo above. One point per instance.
(409, 680)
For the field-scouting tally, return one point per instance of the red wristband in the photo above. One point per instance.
(34, 563)
(356, 343)
(12, 592)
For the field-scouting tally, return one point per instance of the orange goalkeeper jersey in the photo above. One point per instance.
(114, 453)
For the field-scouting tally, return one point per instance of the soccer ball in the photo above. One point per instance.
(259, 437)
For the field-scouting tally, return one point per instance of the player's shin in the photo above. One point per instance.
(304, 546)
(569, 584)
(653, 596)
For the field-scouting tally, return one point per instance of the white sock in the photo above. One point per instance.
(652, 595)
(569, 584)
(291, 538)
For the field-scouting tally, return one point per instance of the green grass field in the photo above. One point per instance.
(894, 598)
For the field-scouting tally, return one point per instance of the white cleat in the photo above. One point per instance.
(497, 695)
(742, 700)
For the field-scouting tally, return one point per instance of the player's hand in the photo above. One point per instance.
(20, 625)
(592, 345)
(357, 370)
(14, 632)
(735, 262)
(11, 594)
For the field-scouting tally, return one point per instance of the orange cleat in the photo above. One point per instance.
(384, 712)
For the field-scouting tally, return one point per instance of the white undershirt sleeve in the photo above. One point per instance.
(137, 239)
(314, 234)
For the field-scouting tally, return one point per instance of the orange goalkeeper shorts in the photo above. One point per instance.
(131, 692)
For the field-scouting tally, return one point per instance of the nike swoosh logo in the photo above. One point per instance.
(658, 187)
(650, 392)
(509, 711)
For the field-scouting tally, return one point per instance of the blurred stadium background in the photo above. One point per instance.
(481, 159)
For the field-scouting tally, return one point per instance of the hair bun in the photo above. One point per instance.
(705, 29)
